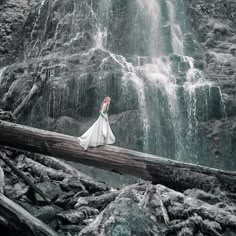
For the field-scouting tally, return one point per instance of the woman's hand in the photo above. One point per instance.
(103, 115)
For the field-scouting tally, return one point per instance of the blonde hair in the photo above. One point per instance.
(105, 100)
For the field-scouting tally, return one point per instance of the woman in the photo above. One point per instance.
(100, 132)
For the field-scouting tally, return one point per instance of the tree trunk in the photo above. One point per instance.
(41, 79)
(2, 180)
(22, 176)
(58, 165)
(174, 174)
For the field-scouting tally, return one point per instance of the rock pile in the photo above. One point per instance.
(71, 203)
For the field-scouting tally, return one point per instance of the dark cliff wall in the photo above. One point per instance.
(59, 34)
(214, 24)
(13, 15)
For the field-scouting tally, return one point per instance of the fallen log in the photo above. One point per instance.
(174, 174)
(101, 201)
(23, 176)
(2, 180)
(41, 79)
(192, 225)
(77, 216)
(21, 222)
(39, 170)
(58, 165)
(97, 202)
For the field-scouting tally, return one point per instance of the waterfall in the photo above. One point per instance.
(36, 24)
(176, 32)
(146, 49)
(139, 85)
(148, 15)
(104, 9)
(165, 79)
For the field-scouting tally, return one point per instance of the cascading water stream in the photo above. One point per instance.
(102, 23)
(161, 36)
(176, 32)
(34, 26)
(142, 47)
(149, 12)
(2, 70)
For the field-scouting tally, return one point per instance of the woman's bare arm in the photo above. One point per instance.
(104, 108)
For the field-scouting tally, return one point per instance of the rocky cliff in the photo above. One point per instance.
(161, 103)
(214, 25)
(57, 35)
(169, 67)
(12, 21)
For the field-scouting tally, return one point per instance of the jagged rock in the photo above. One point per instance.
(81, 73)
(73, 184)
(64, 199)
(18, 221)
(141, 209)
(123, 217)
(12, 19)
(16, 191)
(214, 24)
(50, 189)
(201, 195)
(47, 214)
(187, 215)
(81, 76)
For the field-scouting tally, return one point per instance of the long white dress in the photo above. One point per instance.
(99, 133)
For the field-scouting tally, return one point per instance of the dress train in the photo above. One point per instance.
(99, 133)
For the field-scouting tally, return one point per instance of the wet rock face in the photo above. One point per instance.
(13, 15)
(50, 28)
(79, 205)
(123, 217)
(214, 24)
(68, 39)
(60, 36)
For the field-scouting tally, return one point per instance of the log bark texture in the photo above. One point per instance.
(174, 174)
(2, 180)
(22, 176)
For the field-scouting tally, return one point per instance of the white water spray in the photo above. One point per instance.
(138, 83)
(176, 32)
(2, 70)
(149, 15)
(37, 19)
(103, 15)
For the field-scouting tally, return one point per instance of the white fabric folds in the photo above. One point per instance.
(99, 133)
